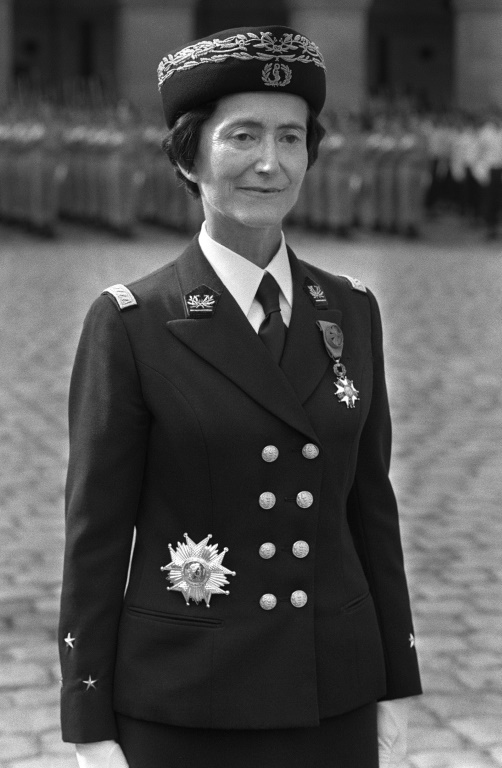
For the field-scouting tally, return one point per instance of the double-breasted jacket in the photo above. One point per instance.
(169, 416)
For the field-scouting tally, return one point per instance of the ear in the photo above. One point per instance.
(190, 175)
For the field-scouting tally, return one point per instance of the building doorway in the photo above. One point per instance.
(410, 52)
(59, 44)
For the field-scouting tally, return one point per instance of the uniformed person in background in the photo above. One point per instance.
(231, 409)
(488, 171)
(32, 169)
(412, 178)
(464, 155)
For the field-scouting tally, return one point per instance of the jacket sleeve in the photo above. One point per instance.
(373, 518)
(109, 426)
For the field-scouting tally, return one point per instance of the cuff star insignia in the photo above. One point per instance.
(196, 570)
(69, 640)
(90, 683)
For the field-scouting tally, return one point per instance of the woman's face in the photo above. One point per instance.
(251, 159)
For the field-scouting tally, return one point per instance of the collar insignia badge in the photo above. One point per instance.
(196, 570)
(315, 294)
(122, 295)
(201, 302)
(333, 341)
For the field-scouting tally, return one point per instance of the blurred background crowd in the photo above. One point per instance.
(384, 169)
(413, 111)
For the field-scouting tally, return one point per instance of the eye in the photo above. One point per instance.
(242, 137)
(292, 138)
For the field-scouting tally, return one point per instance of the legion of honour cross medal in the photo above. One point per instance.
(333, 341)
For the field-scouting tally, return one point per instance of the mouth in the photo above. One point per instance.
(262, 190)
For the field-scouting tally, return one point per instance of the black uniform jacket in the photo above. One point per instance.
(168, 419)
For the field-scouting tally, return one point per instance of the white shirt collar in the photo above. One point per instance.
(240, 276)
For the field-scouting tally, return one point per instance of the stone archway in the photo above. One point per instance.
(410, 50)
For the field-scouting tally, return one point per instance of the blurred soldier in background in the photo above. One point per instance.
(464, 158)
(31, 167)
(488, 171)
(412, 178)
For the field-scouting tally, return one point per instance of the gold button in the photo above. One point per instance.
(304, 499)
(300, 549)
(267, 500)
(268, 602)
(267, 550)
(270, 453)
(310, 451)
(299, 598)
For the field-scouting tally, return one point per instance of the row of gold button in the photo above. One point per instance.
(298, 600)
(267, 499)
(268, 549)
(271, 452)
(300, 549)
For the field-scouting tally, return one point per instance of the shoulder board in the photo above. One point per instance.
(356, 284)
(122, 296)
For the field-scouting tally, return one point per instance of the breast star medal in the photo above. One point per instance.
(196, 570)
(333, 341)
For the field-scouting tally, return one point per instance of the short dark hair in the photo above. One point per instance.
(182, 140)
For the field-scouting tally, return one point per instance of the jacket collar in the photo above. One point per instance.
(227, 341)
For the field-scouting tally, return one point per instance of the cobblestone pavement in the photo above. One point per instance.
(441, 305)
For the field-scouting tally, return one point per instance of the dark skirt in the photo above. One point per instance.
(346, 741)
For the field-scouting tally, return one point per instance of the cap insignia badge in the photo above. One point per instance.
(276, 74)
(201, 302)
(315, 294)
(196, 570)
(333, 341)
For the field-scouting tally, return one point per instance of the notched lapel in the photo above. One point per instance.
(305, 359)
(227, 341)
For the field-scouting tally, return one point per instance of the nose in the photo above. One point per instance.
(268, 159)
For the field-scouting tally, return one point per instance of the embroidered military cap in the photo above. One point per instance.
(273, 59)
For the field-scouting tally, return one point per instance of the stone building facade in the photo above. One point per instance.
(445, 52)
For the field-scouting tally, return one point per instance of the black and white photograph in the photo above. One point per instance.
(251, 383)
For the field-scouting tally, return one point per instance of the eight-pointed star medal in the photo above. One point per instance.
(196, 570)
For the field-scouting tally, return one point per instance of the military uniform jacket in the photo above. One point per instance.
(169, 416)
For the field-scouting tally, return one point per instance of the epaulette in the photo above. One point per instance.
(355, 284)
(122, 296)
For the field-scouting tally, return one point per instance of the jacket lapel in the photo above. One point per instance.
(227, 341)
(305, 359)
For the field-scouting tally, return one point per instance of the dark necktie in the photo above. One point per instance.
(272, 330)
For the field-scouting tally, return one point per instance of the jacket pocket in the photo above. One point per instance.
(175, 618)
(356, 603)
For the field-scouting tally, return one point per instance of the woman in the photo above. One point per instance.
(202, 415)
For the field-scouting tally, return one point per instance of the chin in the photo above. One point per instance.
(261, 218)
